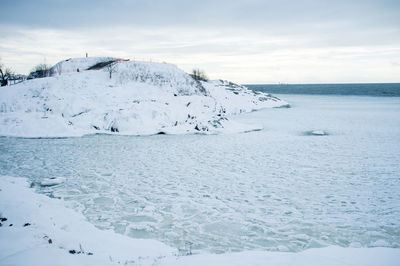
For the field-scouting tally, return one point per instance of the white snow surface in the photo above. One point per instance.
(48, 219)
(141, 98)
(68, 230)
(278, 189)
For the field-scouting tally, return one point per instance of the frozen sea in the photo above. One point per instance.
(324, 172)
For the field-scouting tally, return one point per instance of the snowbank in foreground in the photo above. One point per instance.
(141, 98)
(45, 232)
(330, 256)
(47, 219)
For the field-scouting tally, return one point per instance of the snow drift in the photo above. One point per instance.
(141, 98)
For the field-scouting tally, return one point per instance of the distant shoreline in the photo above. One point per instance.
(354, 89)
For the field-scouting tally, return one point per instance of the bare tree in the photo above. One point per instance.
(198, 74)
(40, 71)
(111, 68)
(5, 74)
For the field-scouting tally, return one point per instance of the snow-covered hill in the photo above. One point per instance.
(141, 98)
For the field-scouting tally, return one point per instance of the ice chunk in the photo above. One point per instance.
(318, 132)
(52, 181)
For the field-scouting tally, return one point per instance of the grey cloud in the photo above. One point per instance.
(250, 13)
(322, 22)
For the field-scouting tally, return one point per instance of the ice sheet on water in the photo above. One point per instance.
(272, 189)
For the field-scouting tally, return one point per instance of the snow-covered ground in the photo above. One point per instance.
(323, 199)
(41, 231)
(140, 98)
(36, 230)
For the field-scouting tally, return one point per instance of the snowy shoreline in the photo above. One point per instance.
(41, 231)
(141, 98)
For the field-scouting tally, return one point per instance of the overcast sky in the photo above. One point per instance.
(246, 41)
